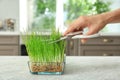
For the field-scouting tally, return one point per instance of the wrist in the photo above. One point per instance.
(106, 18)
(111, 17)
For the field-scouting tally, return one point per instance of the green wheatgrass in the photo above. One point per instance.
(40, 50)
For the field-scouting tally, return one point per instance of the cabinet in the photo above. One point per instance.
(72, 47)
(9, 45)
(100, 46)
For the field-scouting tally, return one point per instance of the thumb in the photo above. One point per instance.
(85, 39)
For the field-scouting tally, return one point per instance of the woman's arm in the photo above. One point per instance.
(94, 23)
(111, 17)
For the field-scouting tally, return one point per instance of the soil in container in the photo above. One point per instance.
(52, 67)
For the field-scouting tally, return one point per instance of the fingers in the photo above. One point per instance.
(74, 27)
(84, 40)
(70, 29)
(90, 32)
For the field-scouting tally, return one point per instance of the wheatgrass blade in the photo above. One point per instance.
(39, 49)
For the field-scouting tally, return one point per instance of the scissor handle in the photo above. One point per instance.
(75, 33)
(86, 36)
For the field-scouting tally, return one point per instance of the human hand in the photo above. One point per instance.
(94, 24)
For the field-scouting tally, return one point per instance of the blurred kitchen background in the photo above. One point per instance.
(18, 16)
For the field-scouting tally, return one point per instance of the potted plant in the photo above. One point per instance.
(45, 57)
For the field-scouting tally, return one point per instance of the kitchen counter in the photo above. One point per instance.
(8, 33)
(77, 68)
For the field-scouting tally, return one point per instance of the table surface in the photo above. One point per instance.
(77, 68)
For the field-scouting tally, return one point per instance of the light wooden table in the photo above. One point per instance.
(77, 68)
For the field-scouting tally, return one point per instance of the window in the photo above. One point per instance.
(42, 15)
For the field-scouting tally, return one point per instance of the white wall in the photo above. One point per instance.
(10, 9)
(115, 4)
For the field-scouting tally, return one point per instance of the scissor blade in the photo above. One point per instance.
(62, 38)
(70, 35)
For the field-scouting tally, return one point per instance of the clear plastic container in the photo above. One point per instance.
(46, 67)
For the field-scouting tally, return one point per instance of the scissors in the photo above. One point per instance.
(76, 35)
(86, 36)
